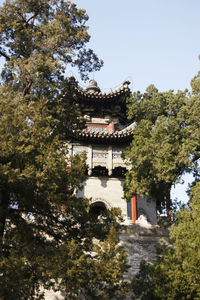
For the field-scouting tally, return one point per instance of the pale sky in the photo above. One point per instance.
(145, 41)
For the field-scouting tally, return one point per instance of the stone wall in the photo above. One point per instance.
(141, 241)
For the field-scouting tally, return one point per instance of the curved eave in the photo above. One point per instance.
(118, 95)
(118, 137)
(108, 139)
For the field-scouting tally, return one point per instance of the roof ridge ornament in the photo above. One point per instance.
(126, 82)
(93, 87)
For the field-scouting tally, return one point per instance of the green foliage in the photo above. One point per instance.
(103, 278)
(39, 38)
(39, 41)
(39, 242)
(109, 261)
(165, 142)
(166, 145)
(142, 284)
(176, 274)
(46, 234)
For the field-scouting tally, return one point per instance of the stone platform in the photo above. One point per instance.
(142, 243)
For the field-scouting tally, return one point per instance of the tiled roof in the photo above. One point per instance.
(94, 93)
(103, 136)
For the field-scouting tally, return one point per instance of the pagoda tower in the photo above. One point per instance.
(107, 133)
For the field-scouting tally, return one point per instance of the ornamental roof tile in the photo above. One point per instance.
(100, 136)
(92, 92)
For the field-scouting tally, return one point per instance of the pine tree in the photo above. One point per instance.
(165, 143)
(46, 233)
(176, 273)
(169, 137)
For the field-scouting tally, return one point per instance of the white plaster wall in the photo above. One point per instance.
(147, 207)
(107, 190)
(51, 295)
(110, 191)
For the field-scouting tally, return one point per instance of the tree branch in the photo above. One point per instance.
(32, 17)
(4, 55)
(195, 158)
(4, 203)
(27, 87)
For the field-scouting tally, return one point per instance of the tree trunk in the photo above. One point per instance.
(168, 206)
(4, 202)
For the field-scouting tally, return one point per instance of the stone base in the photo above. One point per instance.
(142, 243)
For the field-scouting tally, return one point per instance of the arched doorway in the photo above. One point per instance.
(97, 208)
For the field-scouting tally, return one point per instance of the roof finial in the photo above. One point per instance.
(93, 87)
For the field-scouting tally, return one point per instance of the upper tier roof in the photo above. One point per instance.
(93, 93)
(95, 103)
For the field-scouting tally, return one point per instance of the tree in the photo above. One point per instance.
(46, 233)
(165, 143)
(103, 278)
(39, 40)
(176, 274)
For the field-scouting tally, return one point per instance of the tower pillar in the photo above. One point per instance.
(134, 208)
(90, 160)
(110, 164)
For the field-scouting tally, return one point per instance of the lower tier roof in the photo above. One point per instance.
(119, 136)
